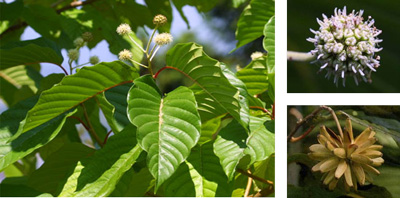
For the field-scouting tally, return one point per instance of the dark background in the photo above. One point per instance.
(303, 77)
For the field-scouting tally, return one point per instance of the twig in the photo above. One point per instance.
(262, 109)
(248, 187)
(254, 177)
(303, 121)
(81, 121)
(91, 129)
(299, 56)
(310, 116)
(105, 139)
(295, 139)
(265, 192)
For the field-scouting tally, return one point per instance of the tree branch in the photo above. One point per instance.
(254, 177)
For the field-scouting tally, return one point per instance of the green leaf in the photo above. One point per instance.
(49, 81)
(266, 170)
(269, 41)
(29, 52)
(256, 80)
(28, 142)
(214, 93)
(19, 190)
(22, 75)
(229, 147)
(10, 12)
(113, 104)
(208, 129)
(72, 23)
(167, 127)
(133, 184)
(252, 21)
(98, 175)
(200, 176)
(51, 175)
(43, 20)
(237, 3)
(76, 89)
(261, 141)
(243, 94)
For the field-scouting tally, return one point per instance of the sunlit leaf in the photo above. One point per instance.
(167, 127)
(252, 21)
(76, 89)
(200, 176)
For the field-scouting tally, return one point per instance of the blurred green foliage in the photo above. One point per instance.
(303, 77)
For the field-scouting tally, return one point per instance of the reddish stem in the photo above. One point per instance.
(159, 71)
(105, 139)
(81, 121)
(295, 139)
(273, 111)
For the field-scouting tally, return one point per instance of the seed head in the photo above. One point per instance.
(73, 54)
(124, 29)
(125, 55)
(87, 36)
(343, 155)
(256, 55)
(345, 45)
(94, 60)
(79, 42)
(163, 39)
(160, 20)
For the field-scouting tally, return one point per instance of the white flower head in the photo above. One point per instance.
(256, 55)
(125, 55)
(79, 42)
(160, 20)
(124, 29)
(163, 39)
(73, 54)
(345, 45)
(94, 60)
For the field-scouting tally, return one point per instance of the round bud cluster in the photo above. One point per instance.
(160, 20)
(125, 55)
(73, 54)
(345, 45)
(94, 60)
(163, 39)
(124, 29)
(87, 36)
(256, 55)
(79, 42)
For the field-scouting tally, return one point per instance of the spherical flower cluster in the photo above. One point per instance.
(124, 29)
(73, 54)
(125, 55)
(342, 155)
(94, 60)
(163, 39)
(160, 20)
(79, 42)
(345, 45)
(87, 36)
(256, 55)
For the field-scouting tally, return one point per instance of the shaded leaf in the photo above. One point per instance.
(12, 151)
(99, 174)
(22, 75)
(265, 169)
(167, 127)
(29, 52)
(200, 176)
(114, 105)
(229, 146)
(133, 184)
(76, 89)
(51, 175)
(208, 129)
(43, 20)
